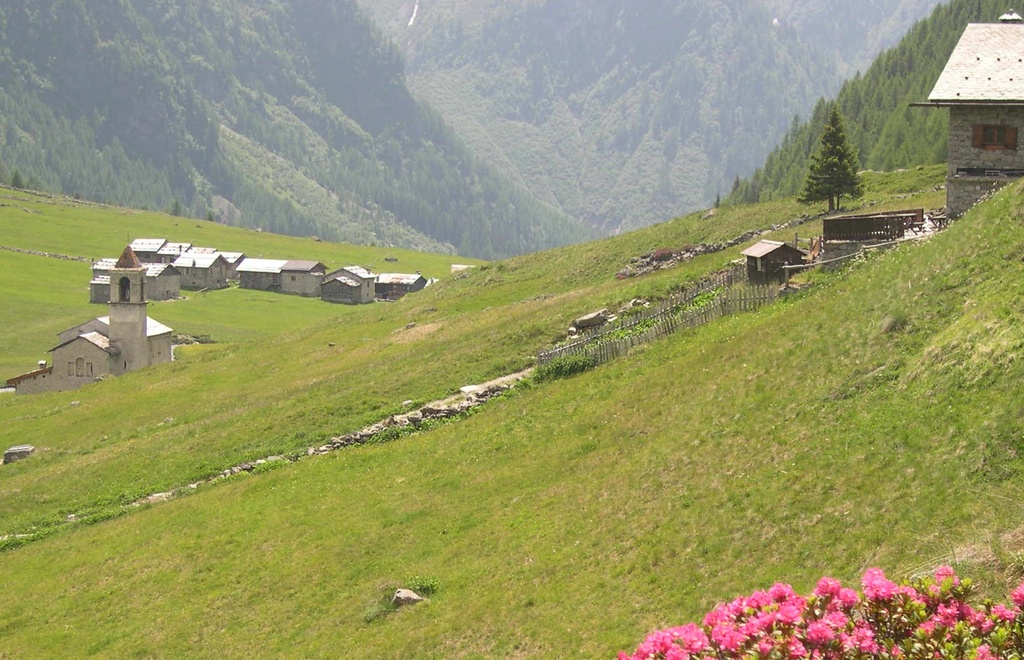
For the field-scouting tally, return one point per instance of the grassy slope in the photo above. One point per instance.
(564, 520)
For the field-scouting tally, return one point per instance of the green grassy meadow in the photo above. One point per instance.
(872, 420)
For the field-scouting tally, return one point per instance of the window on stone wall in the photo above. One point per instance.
(88, 368)
(80, 367)
(994, 137)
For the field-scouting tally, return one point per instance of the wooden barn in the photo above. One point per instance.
(765, 260)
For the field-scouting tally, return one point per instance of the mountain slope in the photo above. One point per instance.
(624, 114)
(567, 519)
(182, 102)
(882, 126)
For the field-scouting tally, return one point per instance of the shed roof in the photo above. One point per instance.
(156, 270)
(12, 382)
(398, 278)
(232, 257)
(358, 271)
(250, 265)
(303, 266)
(347, 281)
(173, 249)
(765, 247)
(197, 260)
(986, 67)
(147, 244)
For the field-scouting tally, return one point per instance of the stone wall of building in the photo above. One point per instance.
(962, 192)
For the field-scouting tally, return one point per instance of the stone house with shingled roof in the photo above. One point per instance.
(982, 84)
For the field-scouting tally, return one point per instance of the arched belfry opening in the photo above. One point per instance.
(124, 290)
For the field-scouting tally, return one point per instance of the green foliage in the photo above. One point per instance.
(564, 366)
(424, 585)
(833, 171)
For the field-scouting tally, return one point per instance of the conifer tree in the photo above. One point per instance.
(833, 170)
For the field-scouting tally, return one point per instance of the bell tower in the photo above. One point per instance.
(128, 314)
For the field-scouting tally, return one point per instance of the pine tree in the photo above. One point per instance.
(833, 170)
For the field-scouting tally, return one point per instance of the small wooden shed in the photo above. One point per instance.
(765, 260)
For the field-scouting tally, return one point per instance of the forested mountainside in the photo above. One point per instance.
(623, 114)
(885, 130)
(854, 31)
(290, 115)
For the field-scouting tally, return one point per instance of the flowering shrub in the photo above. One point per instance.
(926, 618)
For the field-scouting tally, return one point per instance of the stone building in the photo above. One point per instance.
(203, 270)
(352, 285)
(303, 278)
(392, 286)
(282, 276)
(163, 281)
(260, 274)
(983, 87)
(124, 340)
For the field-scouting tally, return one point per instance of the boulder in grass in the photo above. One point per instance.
(592, 320)
(405, 597)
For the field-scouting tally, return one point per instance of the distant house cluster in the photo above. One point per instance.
(173, 267)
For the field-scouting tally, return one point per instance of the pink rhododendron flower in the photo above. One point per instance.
(1003, 613)
(727, 637)
(985, 653)
(780, 592)
(876, 587)
(691, 638)
(789, 613)
(828, 587)
(819, 633)
(848, 597)
(942, 573)
(796, 649)
(1017, 595)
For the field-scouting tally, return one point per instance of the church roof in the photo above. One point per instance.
(153, 328)
(986, 67)
(128, 260)
(97, 339)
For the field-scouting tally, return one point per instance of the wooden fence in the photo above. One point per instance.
(885, 226)
(720, 280)
(602, 348)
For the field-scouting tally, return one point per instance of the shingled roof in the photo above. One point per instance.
(986, 67)
(128, 260)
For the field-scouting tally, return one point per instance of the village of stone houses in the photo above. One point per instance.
(154, 269)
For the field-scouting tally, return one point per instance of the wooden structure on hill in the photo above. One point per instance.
(886, 226)
(766, 260)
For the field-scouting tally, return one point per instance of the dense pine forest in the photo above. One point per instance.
(288, 115)
(885, 129)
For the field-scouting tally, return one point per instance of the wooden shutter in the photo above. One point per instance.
(1011, 138)
(978, 138)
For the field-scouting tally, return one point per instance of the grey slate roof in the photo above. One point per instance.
(251, 265)
(986, 67)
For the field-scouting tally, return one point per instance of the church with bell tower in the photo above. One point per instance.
(124, 340)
